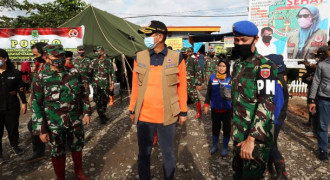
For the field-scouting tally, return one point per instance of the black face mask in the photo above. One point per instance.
(266, 39)
(59, 63)
(39, 59)
(82, 54)
(184, 56)
(244, 51)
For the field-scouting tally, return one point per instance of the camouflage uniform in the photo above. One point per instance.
(59, 101)
(103, 75)
(82, 65)
(210, 67)
(253, 88)
(194, 78)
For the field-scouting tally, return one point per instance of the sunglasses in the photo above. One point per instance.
(303, 16)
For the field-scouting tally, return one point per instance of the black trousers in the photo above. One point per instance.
(9, 119)
(37, 145)
(217, 118)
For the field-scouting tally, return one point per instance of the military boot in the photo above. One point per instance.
(199, 110)
(59, 167)
(102, 117)
(77, 161)
(215, 140)
(280, 170)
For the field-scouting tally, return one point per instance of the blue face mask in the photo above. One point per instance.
(149, 42)
(1, 63)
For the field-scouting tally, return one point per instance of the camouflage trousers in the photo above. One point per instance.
(73, 137)
(101, 99)
(192, 93)
(250, 169)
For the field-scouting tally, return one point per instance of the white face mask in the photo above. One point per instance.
(149, 42)
(305, 22)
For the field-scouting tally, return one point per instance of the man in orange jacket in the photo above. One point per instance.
(159, 98)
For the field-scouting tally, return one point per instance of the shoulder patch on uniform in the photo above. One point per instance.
(265, 73)
(265, 66)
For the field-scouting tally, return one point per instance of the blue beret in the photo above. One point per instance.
(245, 28)
(278, 60)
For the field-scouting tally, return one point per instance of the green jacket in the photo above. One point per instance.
(83, 65)
(59, 100)
(102, 73)
(210, 65)
(194, 73)
(253, 88)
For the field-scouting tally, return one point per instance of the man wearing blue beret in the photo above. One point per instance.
(253, 89)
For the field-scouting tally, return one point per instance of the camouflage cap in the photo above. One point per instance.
(53, 49)
(99, 48)
(81, 47)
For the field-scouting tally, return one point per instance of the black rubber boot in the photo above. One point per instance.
(280, 170)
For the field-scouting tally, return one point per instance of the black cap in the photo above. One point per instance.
(154, 27)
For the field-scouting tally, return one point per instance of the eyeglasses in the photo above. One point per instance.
(303, 16)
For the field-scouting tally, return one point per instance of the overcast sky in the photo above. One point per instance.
(235, 10)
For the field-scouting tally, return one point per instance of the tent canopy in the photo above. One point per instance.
(115, 34)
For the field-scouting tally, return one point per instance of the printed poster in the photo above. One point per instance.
(292, 28)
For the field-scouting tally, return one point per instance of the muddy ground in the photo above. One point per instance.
(111, 150)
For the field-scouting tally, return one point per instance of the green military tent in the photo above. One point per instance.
(116, 35)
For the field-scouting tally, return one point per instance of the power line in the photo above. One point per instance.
(160, 15)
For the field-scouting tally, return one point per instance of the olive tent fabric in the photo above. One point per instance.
(115, 34)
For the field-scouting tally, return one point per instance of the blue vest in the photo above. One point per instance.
(217, 102)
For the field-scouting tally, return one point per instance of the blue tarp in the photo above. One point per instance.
(197, 46)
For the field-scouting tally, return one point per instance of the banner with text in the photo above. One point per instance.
(295, 29)
(18, 42)
(175, 43)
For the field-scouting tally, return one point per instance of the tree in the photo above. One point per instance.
(40, 15)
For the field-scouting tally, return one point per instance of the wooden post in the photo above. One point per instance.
(125, 72)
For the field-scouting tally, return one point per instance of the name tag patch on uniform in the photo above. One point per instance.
(266, 86)
(170, 65)
(143, 65)
(11, 77)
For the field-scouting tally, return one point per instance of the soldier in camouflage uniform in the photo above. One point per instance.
(253, 88)
(82, 64)
(60, 106)
(103, 79)
(194, 80)
(210, 65)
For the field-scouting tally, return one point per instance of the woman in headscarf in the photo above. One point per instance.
(304, 42)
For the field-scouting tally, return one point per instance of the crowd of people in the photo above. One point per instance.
(248, 99)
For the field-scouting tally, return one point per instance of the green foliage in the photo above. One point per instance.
(40, 15)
